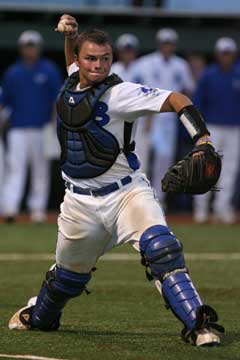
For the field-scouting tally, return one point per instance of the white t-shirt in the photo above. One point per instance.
(125, 73)
(172, 74)
(123, 102)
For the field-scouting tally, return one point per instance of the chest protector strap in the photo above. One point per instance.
(88, 150)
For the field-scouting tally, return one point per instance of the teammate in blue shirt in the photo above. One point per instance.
(30, 88)
(218, 98)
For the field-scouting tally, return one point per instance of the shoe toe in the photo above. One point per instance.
(20, 320)
(207, 338)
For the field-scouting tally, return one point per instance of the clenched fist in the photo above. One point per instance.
(68, 26)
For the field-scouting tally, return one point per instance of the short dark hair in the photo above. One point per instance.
(99, 37)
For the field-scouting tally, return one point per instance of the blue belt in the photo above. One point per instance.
(101, 191)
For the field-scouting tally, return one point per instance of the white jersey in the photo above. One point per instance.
(125, 73)
(123, 102)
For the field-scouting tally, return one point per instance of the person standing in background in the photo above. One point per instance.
(165, 70)
(30, 87)
(4, 115)
(218, 98)
(126, 46)
(197, 62)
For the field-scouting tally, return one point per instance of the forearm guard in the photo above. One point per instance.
(193, 122)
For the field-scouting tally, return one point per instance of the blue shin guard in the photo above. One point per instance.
(162, 253)
(60, 286)
(182, 297)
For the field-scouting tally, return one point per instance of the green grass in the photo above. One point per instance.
(124, 317)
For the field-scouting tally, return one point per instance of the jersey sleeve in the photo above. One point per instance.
(72, 68)
(135, 100)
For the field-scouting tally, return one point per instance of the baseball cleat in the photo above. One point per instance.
(202, 337)
(38, 217)
(203, 334)
(21, 320)
(32, 301)
(206, 338)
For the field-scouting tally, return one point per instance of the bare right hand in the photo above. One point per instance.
(71, 26)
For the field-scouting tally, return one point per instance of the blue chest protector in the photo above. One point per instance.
(87, 149)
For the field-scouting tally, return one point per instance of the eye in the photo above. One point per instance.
(105, 58)
(90, 58)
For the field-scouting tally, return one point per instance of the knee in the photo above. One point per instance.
(161, 251)
(65, 283)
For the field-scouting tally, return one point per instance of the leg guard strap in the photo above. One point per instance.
(60, 286)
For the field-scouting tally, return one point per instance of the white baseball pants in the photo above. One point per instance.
(90, 226)
(163, 137)
(24, 149)
(226, 139)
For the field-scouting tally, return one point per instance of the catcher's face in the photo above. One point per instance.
(94, 62)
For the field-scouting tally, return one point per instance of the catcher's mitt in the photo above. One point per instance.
(194, 174)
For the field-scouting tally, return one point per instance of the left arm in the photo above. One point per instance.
(199, 171)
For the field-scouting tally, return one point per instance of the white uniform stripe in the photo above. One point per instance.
(188, 125)
(122, 257)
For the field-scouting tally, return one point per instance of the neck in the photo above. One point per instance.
(84, 83)
(80, 88)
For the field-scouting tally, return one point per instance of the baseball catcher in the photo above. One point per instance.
(105, 189)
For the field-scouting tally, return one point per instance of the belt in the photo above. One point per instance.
(101, 191)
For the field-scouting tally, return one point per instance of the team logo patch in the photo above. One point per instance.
(100, 113)
(40, 79)
(71, 100)
(147, 91)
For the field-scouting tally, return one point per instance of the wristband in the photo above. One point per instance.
(204, 140)
(193, 122)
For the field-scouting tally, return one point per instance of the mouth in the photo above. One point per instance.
(96, 74)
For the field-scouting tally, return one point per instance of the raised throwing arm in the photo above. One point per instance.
(69, 27)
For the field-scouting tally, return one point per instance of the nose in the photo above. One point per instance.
(97, 64)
